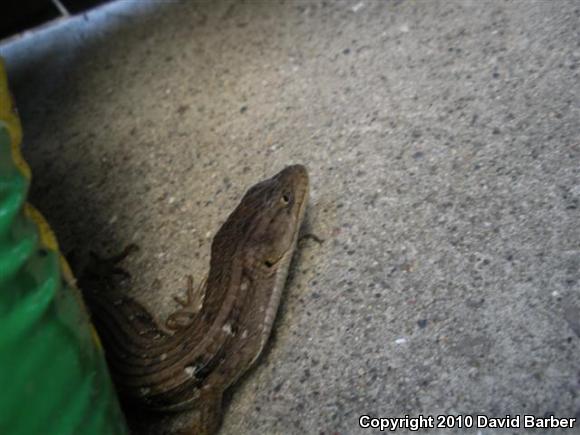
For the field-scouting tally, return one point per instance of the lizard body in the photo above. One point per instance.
(192, 367)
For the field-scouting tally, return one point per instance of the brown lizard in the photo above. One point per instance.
(192, 366)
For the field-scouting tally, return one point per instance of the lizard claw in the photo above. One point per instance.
(188, 301)
(102, 269)
(190, 306)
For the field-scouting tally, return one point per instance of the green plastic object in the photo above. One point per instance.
(53, 376)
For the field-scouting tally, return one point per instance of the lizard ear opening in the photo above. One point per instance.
(268, 264)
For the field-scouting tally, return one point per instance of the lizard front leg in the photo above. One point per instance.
(97, 283)
(99, 271)
(191, 306)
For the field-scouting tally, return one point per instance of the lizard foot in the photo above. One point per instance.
(191, 306)
(102, 269)
(311, 236)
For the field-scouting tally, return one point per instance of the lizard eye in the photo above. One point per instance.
(285, 198)
(268, 264)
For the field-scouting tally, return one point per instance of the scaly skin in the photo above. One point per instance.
(194, 365)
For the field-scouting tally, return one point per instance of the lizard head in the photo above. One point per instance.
(275, 210)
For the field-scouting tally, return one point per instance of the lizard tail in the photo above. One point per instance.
(207, 418)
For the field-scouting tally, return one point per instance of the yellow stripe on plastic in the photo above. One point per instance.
(9, 117)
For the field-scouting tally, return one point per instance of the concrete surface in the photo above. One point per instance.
(443, 143)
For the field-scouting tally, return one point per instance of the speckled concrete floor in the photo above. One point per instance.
(443, 143)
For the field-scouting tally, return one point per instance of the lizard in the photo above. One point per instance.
(191, 365)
